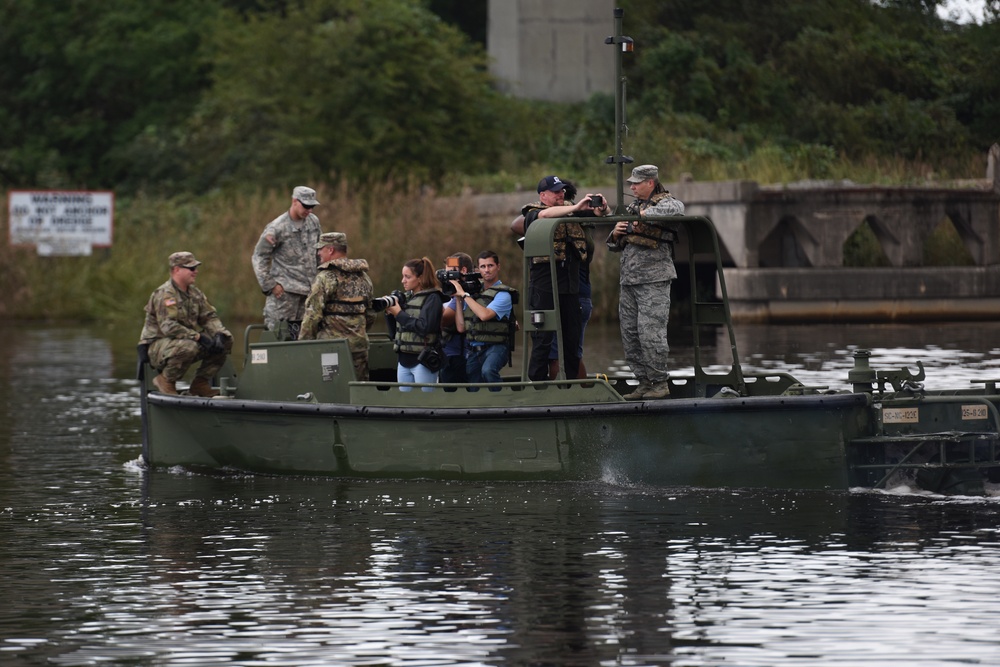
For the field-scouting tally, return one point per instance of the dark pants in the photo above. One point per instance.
(454, 369)
(541, 342)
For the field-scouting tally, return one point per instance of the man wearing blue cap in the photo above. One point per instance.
(570, 250)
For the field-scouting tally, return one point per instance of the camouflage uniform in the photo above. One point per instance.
(174, 320)
(647, 269)
(285, 254)
(339, 306)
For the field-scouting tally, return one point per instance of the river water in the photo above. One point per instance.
(104, 564)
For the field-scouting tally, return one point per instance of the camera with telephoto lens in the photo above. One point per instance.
(471, 282)
(596, 201)
(383, 302)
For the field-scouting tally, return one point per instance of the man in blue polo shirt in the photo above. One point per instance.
(486, 322)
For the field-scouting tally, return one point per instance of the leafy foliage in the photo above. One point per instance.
(177, 96)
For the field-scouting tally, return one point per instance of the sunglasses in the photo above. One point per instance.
(307, 206)
(190, 268)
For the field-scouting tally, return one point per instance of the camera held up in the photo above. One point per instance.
(471, 282)
(383, 302)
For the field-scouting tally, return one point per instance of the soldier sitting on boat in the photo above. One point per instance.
(181, 328)
(339, 302)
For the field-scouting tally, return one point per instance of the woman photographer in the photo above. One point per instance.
(416, 324)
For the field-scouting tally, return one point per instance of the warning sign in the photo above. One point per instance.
(61, 222)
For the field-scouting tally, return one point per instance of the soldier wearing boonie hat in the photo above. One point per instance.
(182, 327)
(647, 270)
(284, 262)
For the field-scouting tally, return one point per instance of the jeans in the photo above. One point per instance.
(418, 373)
(484, 363)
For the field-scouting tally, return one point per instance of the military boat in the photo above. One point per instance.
(296, 408)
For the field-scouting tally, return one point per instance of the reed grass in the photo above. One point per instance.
(386, 224)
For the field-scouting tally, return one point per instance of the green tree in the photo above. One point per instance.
(365, 89)
(82, 80)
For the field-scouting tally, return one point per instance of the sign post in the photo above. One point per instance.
(61, 222)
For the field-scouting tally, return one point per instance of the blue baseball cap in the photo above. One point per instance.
(551, 184)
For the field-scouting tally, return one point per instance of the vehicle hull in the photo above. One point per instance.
(785, 442)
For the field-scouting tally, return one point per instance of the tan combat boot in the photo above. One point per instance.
(659, 390)
(164, 385)
(640, 391)
(201, 387)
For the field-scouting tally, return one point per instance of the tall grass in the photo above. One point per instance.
(386, 224)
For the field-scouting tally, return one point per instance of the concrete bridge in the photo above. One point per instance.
(783, 247)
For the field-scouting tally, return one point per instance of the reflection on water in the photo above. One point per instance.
(104, 564)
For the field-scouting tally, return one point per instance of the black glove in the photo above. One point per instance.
(218, 344)
(206, 343)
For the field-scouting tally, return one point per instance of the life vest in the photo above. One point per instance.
(648, 234)
(411, 341)
(566, 233)
(494, 330)
(354, 288)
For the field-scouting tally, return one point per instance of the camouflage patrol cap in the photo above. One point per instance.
(305, 195)
(332, 238)
(184, 259)
(643, 172)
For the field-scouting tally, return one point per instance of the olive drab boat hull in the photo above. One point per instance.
(296, 408)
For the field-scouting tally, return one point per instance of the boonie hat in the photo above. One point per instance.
(551, 184)
(184, 259)
(331, 238)
(305, 195)
(643, 172)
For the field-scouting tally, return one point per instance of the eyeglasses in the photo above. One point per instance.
(307, 206)
(190, 268)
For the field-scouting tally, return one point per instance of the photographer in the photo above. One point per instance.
(454, 340)
(417, 325)
(570, 250)
(487, 323)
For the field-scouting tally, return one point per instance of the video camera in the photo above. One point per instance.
(383, 302)
(471, 282)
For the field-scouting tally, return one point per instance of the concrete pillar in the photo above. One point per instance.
(552, 49)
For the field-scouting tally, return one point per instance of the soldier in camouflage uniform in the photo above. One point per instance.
(647, 269)
(284, 261)
(339, 303)
(181, 328)
(570, 249)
